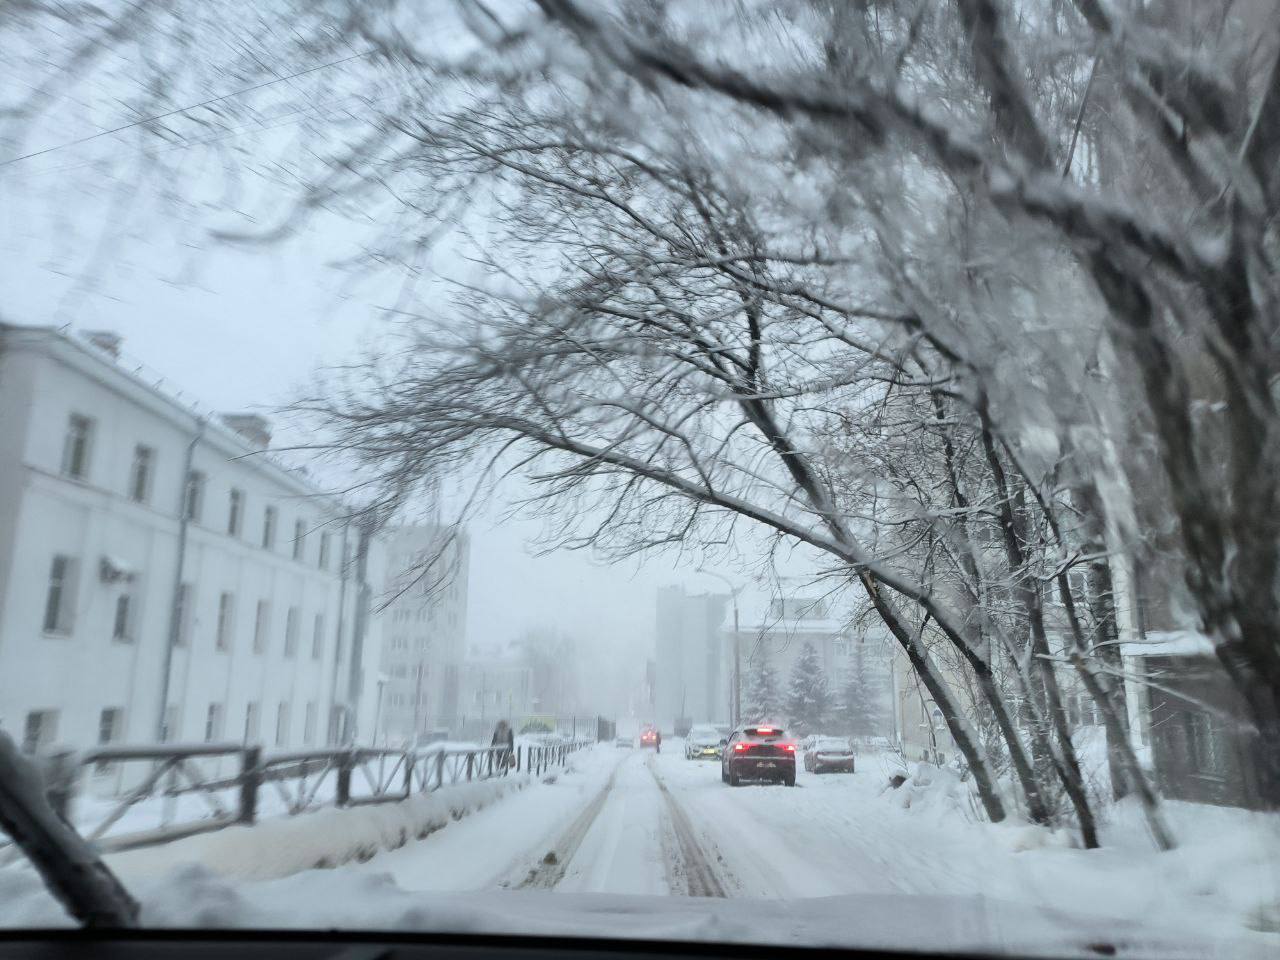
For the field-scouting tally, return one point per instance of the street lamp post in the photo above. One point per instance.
(735, 704)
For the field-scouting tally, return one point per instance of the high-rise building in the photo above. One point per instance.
(424, 621)
(691, 679)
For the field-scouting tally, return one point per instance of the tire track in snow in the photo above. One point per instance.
(551, 868)
(701, 878)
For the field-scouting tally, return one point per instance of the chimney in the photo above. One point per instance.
(108, 341)
(253, 428)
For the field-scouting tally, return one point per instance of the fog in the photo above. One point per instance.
(247, 328)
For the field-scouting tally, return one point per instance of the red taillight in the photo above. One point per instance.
(789, 747)
(740, 746)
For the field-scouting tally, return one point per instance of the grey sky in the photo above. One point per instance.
(238, 328)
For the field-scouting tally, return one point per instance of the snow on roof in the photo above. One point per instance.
(1170, 643)
(807, 612)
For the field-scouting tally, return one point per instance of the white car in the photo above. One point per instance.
(703, 743)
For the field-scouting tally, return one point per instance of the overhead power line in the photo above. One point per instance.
(180, 110)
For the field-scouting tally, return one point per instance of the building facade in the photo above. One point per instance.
(150, 555)
(424, 620)
(691, 679)
(775, 626)
(497, 684)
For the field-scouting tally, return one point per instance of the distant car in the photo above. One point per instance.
(702, 743)
(624, 742)
(650, 737)
(829, 754)
(759, 752)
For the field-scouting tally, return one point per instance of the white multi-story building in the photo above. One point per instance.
(424, 620)
(150, 555)
(497, 684)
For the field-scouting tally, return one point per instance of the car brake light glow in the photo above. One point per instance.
(739, 746)
(764, 729)
(789, 746)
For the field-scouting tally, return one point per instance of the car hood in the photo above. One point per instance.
(347, 899)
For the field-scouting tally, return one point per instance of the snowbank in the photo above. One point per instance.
(1221, 879)
(323, 838)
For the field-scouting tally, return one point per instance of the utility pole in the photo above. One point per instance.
(737, 665)
(176, 612)
(417, 708)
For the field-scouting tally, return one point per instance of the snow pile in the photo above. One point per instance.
(936, 792)
(1227, 862)
(323, 838)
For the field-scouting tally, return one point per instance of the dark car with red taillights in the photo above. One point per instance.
(759, 752)
(650, 737)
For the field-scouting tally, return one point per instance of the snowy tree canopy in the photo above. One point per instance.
(761, 697)
(809, 702)
(974, 302)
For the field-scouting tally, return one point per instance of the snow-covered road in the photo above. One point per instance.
(631, 821)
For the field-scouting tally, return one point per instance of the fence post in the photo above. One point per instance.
(61, 779)
(408, 774)
(471, 758)
(518, 750)
(345, 764)
(250, 780)
(440, 769)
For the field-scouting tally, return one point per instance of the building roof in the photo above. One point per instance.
(757, 613)
(1170, 643)
(136, 382)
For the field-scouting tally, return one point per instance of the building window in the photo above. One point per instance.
(261, 626)
(75, 449)
(172, 718)
(182, 619)
(291, 632)
(122, 624)
(213, 723)
(110, 726)
(59, 604)
(269, 528)
(299, 538)
(40, 730)
(140, 474)
(282, 724)
(324, 551)
(309, 723)
(193, 496)
(251, 722)
(226, 617)
(235, 512)
(317, 638)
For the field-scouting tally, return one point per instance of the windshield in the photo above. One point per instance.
(792, 473)
(832, 744)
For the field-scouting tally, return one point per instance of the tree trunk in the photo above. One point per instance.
(69, 867)
(1106, 647)
(960, 730)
